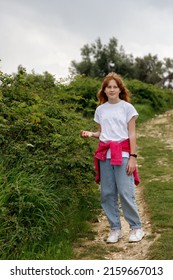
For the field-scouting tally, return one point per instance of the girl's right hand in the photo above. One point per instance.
(86, 134)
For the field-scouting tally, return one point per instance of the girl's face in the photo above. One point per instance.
(112, 91)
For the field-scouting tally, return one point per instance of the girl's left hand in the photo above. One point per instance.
(131, 165)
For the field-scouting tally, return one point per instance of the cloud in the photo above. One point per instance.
(36, 41)
(48, 35)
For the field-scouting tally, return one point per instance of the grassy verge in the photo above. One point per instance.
(156, 168)
(34, 223)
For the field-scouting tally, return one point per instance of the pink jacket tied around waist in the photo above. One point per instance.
(116, 156)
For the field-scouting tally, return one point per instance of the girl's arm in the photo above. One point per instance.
(89, 134)
(132, 138)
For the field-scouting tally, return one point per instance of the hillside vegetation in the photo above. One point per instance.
(47, 188)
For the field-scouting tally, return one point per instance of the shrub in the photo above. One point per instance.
(158, 99)
(47, 190)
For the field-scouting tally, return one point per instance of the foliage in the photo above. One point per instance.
(97, 60)
(148, 69)
(149, 99)
(83, 91)
(47, 180)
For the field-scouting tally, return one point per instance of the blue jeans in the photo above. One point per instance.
(116, 183)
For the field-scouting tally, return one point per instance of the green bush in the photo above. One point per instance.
(83, 90)
(158, 99)
(145, 112)
(47, 190)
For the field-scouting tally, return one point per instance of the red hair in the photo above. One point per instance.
(124, 92)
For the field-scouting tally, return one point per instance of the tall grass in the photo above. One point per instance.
(29, 211)
(33, 223)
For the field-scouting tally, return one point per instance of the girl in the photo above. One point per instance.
(115, 157)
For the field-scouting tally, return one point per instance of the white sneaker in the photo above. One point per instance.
(136, 235)
(114, 236)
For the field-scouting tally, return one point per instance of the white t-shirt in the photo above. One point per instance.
(114, 119)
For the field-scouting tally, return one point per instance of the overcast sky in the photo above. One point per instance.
(46, 35)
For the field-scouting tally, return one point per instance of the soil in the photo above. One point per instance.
(123, 250)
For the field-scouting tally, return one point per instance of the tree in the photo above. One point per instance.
(99, 59)
(167, 80)
(148, 69)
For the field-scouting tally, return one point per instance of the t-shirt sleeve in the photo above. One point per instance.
(131, 112)
(96, 116)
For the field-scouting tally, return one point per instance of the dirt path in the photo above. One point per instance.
(123, 250)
